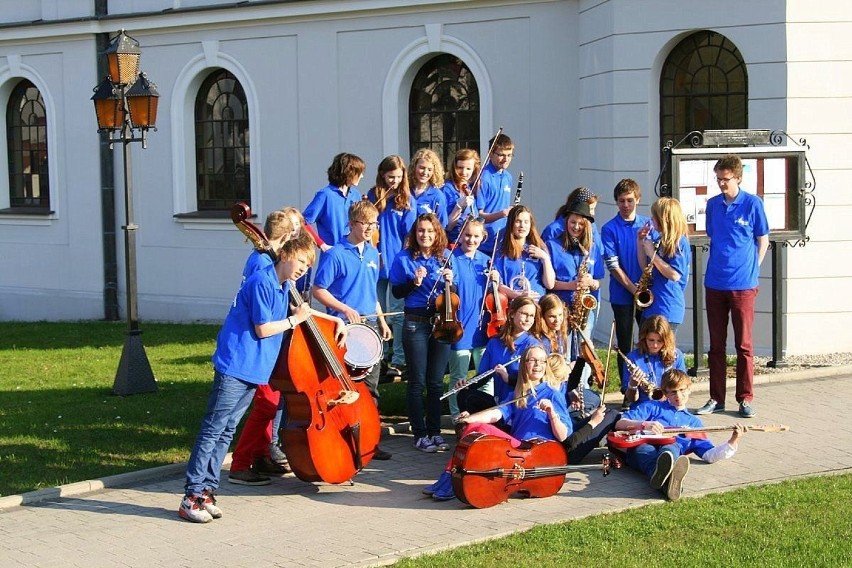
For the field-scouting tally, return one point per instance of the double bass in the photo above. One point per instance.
(333, 426)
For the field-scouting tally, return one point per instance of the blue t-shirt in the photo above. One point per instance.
(394, 225)
(618, 240)
(733, 230)
(496, 353)
(256, 261)
(432, 200)
(567, 262)
(470, 280)
(532, 422)
(494, 194)
(651, 365)
(402, 271)
(350, 276)
(329, 211)
(667, 415)
(239, 351)
(532, 269)
(669, 300)
(452, 197)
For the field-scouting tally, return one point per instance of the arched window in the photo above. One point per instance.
(221, 143)
(443, 108)
(26, 137)
(703, 86)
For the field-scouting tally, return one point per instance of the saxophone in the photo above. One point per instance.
(643, 296)
(583, 302)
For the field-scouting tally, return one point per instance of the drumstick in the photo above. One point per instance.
(386, 314)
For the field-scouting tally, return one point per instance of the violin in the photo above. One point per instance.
(589, 357)
(486, 470)
(333, 426)
(497, 306)
(447, 328)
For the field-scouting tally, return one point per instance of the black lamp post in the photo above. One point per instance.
(126, 107)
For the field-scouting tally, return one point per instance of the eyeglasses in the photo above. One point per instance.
(536, 362)
(368, 225)
(504, 155)
(725, 180)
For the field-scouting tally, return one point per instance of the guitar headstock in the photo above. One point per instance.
(768, 428)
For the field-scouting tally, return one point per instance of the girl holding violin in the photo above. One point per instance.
(539, 411)
(426, 179)
(397, 213)
(418, 273)
(470, 270)
(523, 260)
(458, 191)
(670, 257)
(655, 354)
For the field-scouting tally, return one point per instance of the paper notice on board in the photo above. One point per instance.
(749, 181)
(693, 173)
(775, 205)
(701, 212)
(775, 175)
(687, 203)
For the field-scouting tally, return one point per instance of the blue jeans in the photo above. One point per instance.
(644, 457)
(229, 399)
(426, 363)
(280, 418)
(393, 349)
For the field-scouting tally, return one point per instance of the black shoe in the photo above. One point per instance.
(247, 477)
(665, 461)
(380, 454)
(265, 466)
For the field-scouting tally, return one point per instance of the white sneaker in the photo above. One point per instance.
(210, 504)
(425, 444)
(439, 442)
(192, 509)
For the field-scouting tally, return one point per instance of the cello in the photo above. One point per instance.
(333, 426)
(486, 470)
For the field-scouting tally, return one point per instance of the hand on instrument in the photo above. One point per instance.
(652, 426)
(648, 247)
(340, 332)
(547, 406)
(501, 372)
(301, 312)
(419, 274)
(447, 273)
(643, 233)
(352, 315)
(494, 276)
(597, 416)
(739, 430)
(586, 281)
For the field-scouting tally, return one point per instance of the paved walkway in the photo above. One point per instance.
(384, 516)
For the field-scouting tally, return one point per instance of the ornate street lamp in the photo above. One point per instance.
(126, 102)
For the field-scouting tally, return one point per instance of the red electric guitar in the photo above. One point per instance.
(621, 440)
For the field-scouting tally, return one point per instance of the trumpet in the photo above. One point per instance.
(643, 296)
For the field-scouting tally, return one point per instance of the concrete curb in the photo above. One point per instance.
(133, 477)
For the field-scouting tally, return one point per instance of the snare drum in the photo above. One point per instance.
(363, 350)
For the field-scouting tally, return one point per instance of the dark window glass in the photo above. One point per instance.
(221, 143)
(26, 136)
(443, 108)
(703, 86)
